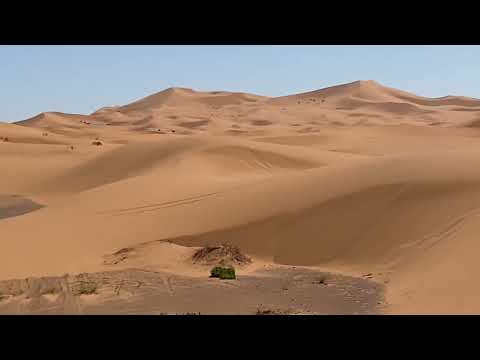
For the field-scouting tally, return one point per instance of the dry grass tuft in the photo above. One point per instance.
(223, 255)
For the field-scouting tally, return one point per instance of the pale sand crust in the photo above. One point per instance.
(355, 179)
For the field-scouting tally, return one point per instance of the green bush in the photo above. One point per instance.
(223, 272)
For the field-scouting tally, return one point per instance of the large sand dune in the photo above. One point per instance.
(354, 179)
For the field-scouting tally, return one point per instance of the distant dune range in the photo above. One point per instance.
(354, 179)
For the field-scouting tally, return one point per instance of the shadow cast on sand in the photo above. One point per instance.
(16, 205)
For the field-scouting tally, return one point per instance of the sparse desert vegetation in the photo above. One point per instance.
(84, 288)
(224, 254)
(266, 310)
(223, 273)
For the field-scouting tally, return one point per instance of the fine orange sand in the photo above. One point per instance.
(356, 178)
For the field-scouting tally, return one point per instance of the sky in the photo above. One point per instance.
(82, 79)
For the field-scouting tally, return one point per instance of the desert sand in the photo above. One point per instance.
(352, 180)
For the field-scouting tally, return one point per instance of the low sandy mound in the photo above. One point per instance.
(154, 255)
(13, 133)
(54, 120)
(83, 128)
(220, 255)
(115, 164)
(69, 125)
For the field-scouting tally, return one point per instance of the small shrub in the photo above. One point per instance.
(97, 143)
(223, 272)
(84, 288)
(88, 289)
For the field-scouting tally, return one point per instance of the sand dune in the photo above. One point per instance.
(354, 179)
(11, 133)
(372, 91)
(183, 96)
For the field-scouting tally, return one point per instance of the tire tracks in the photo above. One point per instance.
(158, 206)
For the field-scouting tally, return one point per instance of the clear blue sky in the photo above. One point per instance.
(81, 79)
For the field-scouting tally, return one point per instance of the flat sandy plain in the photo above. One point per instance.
(372, 189)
